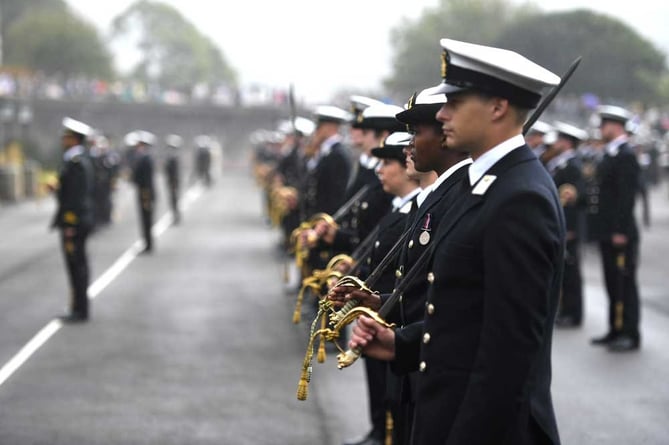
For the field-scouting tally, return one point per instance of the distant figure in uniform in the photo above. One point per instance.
(142, 176)
(564, 165)
(535, 137)
(591, 153)
(203, 159)
(173, 173)
(327, 169)
(483, 349)
(106, 166)
(440, 170)
(618, 180)
(74, 216)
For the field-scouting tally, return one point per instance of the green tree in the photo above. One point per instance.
(416, 57)
(173, 51)
(56, 41)
(13, 10)
(617, 62)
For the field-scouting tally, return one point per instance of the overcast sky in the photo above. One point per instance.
(321, 46)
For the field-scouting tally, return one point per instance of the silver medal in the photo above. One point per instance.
(424, 238)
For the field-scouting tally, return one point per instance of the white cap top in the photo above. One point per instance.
(302, 124)
(381, 111)
(540, 127)
(499, 71)
(430, 96)
(361, 102)
(563, 128)
(146, 137)
(400, 138)
(613, 112)
(550, 138)
(332, 114)
(131, 139)
(202, 141)
(76, 126)
(173, 140)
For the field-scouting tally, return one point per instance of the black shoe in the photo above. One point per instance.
(624, 343)
(73, 318)
(567, 321)
(603, 340)
(367, 440)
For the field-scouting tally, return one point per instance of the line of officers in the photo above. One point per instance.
(87, 178)
(311, 167)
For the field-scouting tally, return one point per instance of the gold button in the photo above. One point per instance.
(401, 298)
(430, 309)
(422, 366)
(377, 244)
(364, 206)
(410, 244)
(430, 277)
(426, 338)
(398, 273)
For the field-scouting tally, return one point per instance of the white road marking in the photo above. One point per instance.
(96, 288)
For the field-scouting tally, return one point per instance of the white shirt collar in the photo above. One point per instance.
(72, 152)
(420, 199)
(613, 146)
(400, 201)
(490, 157)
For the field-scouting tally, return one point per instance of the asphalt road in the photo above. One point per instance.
(194, 344)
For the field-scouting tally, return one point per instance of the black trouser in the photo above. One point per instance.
(174, 201)
(621, 286)
(146, 213)
(571, 303)
(76, 262)
(375, 371)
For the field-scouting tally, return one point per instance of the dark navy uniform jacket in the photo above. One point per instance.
(483, 350)
(75, 193)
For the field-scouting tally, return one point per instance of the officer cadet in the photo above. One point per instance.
(618, 181)
(288, 175)
(376, 122)
(142, 176)
(392, 172)
(564, 165)
(483, 349)
(203, 159)
(74, 216)
(428, 154)
(328, 166)
(173, 173)
(535, 137)
(591, 153)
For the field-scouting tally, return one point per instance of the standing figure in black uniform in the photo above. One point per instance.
(618, 180)
(142, 176)
(483, 349)
(535, 137)
(564, 165)
(429, 155)
(327, 169)
(203, 159)
(173, 173)
(74, 216)
(106, 166)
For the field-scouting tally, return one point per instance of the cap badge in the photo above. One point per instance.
(444, 64)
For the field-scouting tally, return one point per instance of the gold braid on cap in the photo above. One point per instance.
(444, 64)
(412, 101)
